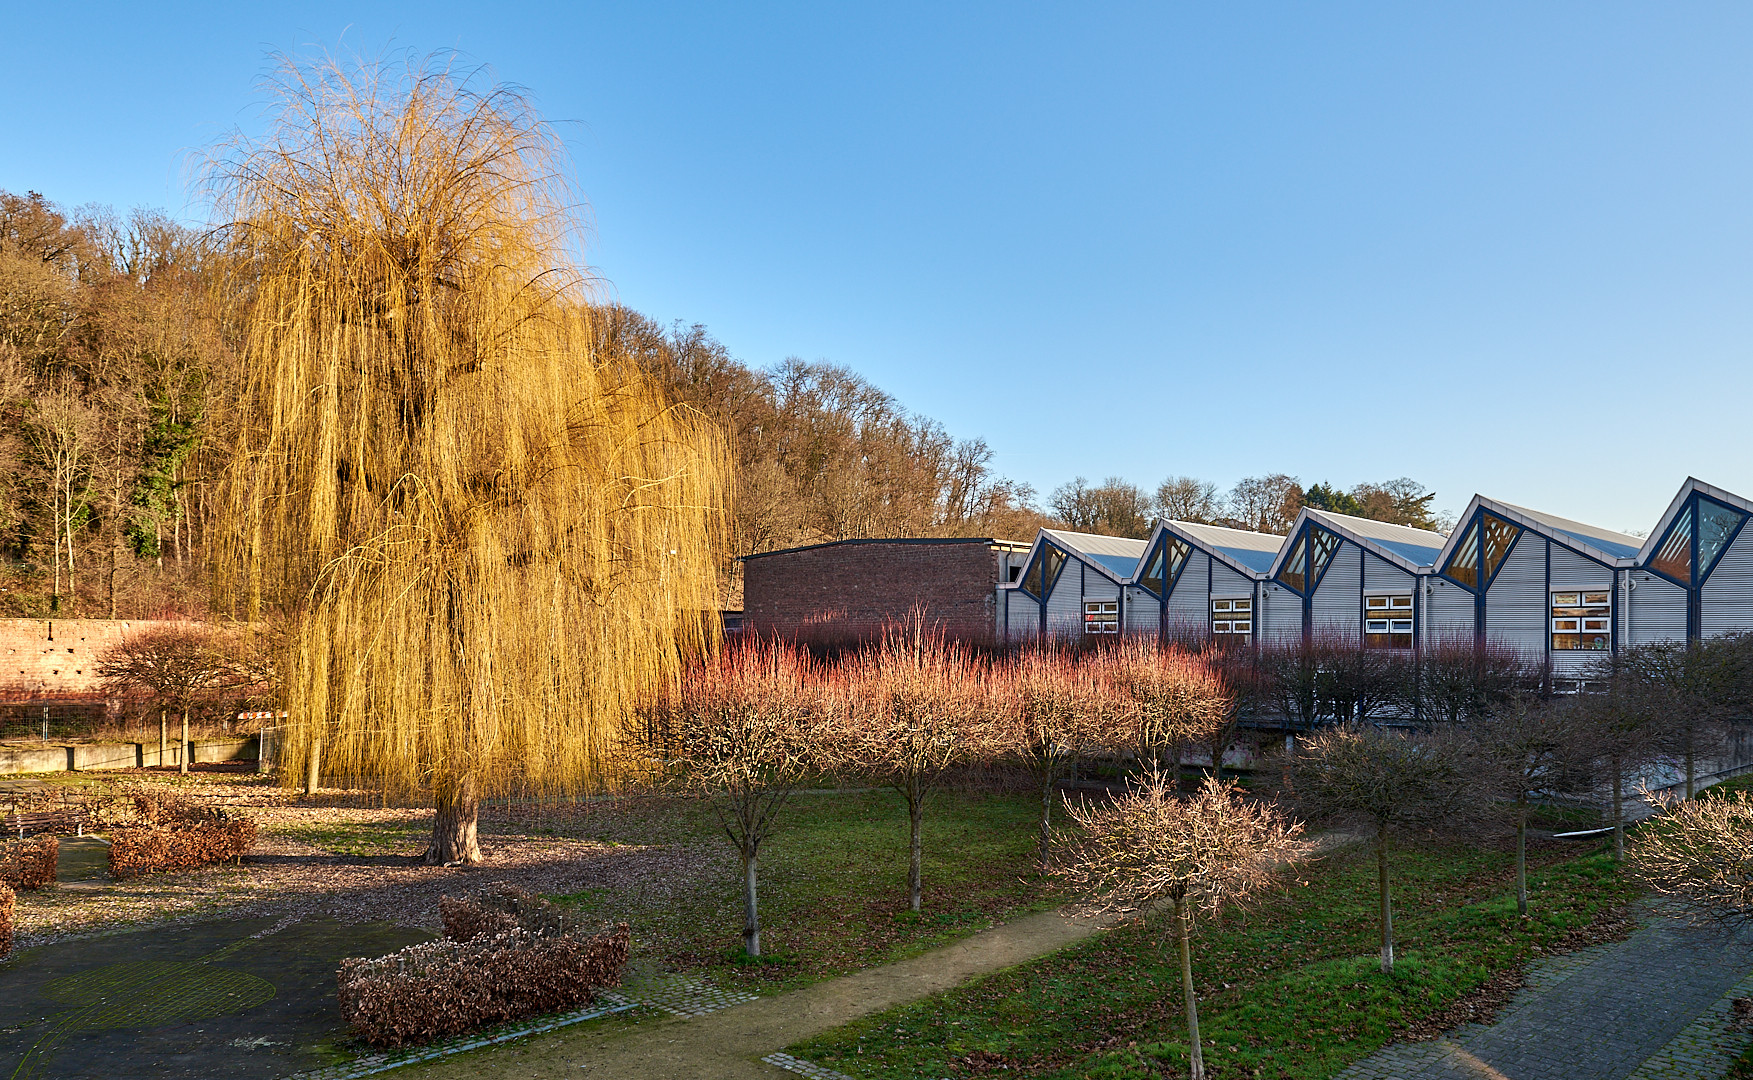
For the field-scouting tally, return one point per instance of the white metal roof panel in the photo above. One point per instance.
(1607, 541)
(1254, 550)
(1118, 555)
(1417, 546)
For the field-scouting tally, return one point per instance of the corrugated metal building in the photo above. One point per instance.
(1560, 592)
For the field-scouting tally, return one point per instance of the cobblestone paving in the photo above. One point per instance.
(805, 1068)
(1652, 1007)
(683, 995)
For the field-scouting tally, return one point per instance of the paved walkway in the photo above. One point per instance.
(1652, 1007)
(728, 1045)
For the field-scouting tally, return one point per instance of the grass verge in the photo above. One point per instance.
(1290, 989)
(832, 884)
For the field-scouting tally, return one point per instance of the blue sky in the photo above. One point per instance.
(1496, 247)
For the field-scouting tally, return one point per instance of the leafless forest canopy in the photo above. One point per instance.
(120, 339)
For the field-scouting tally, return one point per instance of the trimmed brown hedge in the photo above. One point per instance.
(7, 899)
(29, 864)
(182, 847)
(446, 987)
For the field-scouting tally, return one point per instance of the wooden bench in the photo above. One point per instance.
(45, 821)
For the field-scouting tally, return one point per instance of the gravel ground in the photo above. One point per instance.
(287, 875)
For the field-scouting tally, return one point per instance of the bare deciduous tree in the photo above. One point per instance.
(1386, 780)
(737, 730)
(1114, 507)
(904, 715)
(176, 666)
(1051, 710)
(1176, 699)
(1152, 848)
(1534, 750)
(1184, 498)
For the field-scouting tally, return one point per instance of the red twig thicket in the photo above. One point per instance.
(29, 864)
(504, 956)
(186, 846)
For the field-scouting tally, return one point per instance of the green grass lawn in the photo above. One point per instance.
(1291, 988)
(832, 883)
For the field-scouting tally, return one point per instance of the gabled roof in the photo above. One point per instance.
(1691, 485)
(1413, 550)
(1604, 545)
(1250, 554)
(1117, 556)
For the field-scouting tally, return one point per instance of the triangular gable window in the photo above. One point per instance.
(1700, 534)
(1674, 558)
(1499, 537)
(1178, 552)
(1032, 579)
(1152, 578)
(1296, 567)
(1717, 525)
(1052, 560)
(1464, 563)
(1324, 544)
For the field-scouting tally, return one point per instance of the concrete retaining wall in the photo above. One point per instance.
(83, 756)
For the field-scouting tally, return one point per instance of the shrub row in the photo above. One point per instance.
(501, 908)
(7, 899)
(29, 864)
(446, 987)
(156, 850)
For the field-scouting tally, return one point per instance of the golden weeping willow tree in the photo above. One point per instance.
(488, 538)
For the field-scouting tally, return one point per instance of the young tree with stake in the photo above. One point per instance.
(1391, 782)
(907, 713)
(737, 730)
(1152, 852)
(1052, 710)
(1531, 749)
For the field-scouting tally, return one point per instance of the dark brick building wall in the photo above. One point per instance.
(854, 588)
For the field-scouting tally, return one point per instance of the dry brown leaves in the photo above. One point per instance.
(29, 864)
(446, 987)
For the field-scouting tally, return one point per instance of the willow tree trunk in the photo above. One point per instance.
(454, 837)
(1192, 999)
(1387, 900)
(183, 754)
(163, 738)
(313, 767)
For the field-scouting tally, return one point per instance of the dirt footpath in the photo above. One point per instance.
(731, 1043)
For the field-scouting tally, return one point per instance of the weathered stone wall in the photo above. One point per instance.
(57, 658)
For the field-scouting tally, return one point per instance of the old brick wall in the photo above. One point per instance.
(852, 591)
(52, 658)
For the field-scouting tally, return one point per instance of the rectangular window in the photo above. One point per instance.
(1582, 620)
(1230, 618)
(1101, 616)
(1387, 621)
